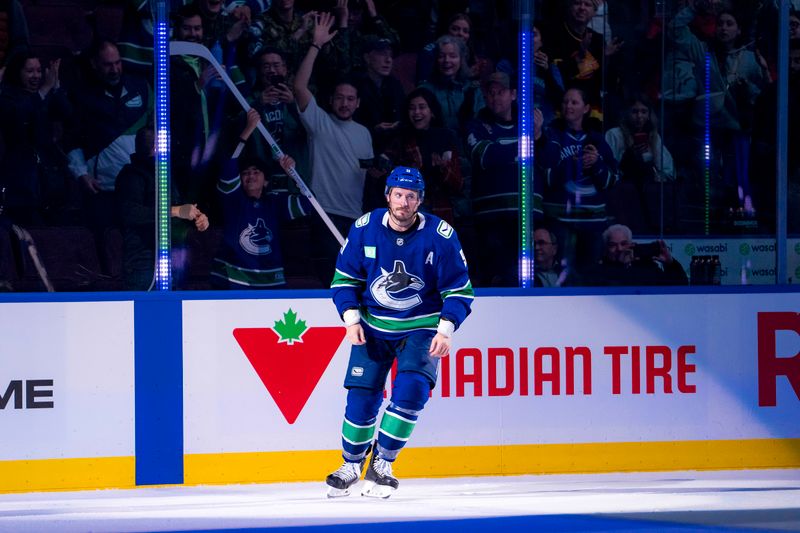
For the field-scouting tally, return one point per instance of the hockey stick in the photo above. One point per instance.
(25, 238)
(195, 49)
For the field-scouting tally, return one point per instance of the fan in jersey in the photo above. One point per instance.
(402, 288)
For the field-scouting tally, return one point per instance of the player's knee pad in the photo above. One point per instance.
(363, 405)
(411, 391)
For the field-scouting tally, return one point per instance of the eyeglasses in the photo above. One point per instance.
(541, 243)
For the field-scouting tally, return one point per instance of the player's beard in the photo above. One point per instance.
(403, 217)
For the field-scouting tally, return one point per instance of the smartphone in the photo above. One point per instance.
(277, 79)
(647, 250)
(641, 138)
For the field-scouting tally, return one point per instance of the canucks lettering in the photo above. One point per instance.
(385, 287)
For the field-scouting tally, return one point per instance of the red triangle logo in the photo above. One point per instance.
(290, 370)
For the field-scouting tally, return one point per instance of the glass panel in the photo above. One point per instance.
(719, 124)
(677, 142)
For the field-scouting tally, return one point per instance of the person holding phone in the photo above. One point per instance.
(645, 167)
(627, 263)
(274, 100)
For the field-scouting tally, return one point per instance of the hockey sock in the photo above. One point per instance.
(360, 417)
(409, 395)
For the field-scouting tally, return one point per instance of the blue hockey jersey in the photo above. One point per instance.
(402, 282)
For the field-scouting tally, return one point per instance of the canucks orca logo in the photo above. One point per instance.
(256, 240)
(385, 288)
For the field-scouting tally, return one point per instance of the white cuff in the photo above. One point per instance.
(446, 328)
(351, 317)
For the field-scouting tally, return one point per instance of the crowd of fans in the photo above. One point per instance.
(651, 118)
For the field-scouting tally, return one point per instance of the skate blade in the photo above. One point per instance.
(371, 490)
(333, 492)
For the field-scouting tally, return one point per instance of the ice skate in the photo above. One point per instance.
(379, 481)
(340, 481)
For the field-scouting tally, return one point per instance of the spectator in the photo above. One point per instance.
(13, 31)
(459, 98)
(723, 102)
(340, 150)
(547, 270)
(580, 169)
(744, 73)
(222, 27)
(136, 201)
(250, 256)
(492, 141)
(31, 100)
(645, 168)
(460, 27)
(110, 106)
(222, 30)
(424, 143)
(282, 27)
(381, 94)
(578, 50)
(274, 100)
(357, 32)
(626, 263)
(548, 86)
(192, 145)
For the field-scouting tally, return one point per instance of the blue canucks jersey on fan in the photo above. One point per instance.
(402, 281)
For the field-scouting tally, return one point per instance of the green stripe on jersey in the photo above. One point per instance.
(340, 279)
(248, 277)
(396, 427)
(399, 325)
(463, 292)
(357, 434)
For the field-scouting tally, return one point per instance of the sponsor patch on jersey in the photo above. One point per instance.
(362, 221)
(369, 252)
(357, 371)
(444, 229)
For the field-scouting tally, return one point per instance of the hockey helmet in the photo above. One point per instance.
(406, 178)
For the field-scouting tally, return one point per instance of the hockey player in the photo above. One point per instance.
(402, 288)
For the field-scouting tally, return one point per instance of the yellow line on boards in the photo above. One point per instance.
(267, 467)
(68, 474)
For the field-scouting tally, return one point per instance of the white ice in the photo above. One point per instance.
(746, 498)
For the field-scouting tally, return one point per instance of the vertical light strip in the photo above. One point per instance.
(782, 205)
(161, 59)
(707, 150)
(524, 101)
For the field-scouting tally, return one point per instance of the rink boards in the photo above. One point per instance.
(164, 389)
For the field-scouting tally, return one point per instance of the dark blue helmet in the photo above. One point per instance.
(406, 178)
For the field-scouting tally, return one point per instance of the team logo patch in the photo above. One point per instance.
(256, 240)
(362, 221)
(357, 372)
(391, 288)
(400, 241)
(444, 229)
(369, 252)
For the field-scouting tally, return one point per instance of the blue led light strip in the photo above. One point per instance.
(524, 101)
(707, 150)
(161, 59)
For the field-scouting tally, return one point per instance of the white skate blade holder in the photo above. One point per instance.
(373, 490)
(333, 492)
